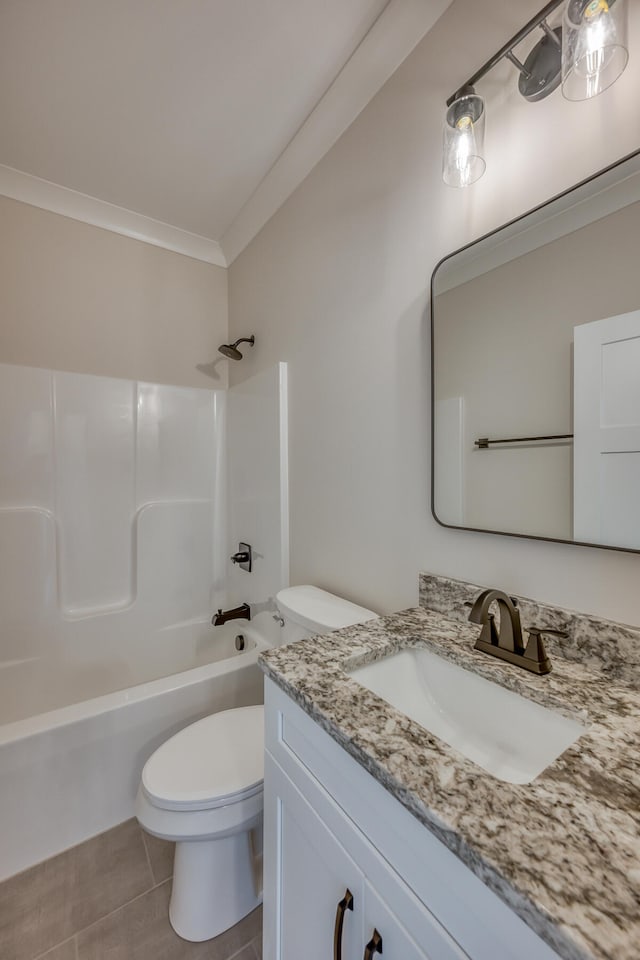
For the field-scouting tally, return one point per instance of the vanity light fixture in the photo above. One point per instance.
(587, 54)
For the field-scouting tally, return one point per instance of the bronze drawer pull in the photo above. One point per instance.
(345, 904)
(374, 946)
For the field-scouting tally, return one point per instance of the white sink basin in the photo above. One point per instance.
(508, 736)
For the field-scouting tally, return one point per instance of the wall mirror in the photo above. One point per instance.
(536, 371)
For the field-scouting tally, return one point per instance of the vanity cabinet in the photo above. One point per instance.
(348, 870)
(327, 906)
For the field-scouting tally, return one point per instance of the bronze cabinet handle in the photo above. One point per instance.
(345, 904)
(374, 946)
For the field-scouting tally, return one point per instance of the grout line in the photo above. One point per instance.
(77, 934)
(121, 907)
(56, 946)
(148, 856)
(161, 883)
(242, 949)
(254, 944)
(249, 943)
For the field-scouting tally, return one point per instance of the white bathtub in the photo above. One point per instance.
(76, 732)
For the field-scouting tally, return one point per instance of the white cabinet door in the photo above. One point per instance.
(314, 874)
(606, 460)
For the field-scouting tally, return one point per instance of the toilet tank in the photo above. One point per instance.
(308, 611)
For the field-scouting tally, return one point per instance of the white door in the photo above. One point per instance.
(606, 465)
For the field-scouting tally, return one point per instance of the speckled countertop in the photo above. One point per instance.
(562, 851)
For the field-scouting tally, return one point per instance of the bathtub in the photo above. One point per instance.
(75, 733)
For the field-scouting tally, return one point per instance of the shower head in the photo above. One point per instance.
(230, 350)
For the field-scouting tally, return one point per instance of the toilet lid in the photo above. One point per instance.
(210, 763)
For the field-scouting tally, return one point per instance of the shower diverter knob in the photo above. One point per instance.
(243, 557)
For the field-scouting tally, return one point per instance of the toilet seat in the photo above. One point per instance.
(212, 763)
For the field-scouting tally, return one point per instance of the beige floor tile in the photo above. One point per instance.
(160, 857)
(138, 931)
(231, 941)
(141, 931)
(50, 902)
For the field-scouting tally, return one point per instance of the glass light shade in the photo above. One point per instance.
(594, 46)
(463, 148)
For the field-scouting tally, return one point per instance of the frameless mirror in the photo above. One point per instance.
(536, 371)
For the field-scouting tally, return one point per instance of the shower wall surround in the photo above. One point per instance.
(258, 493)
(109, 502)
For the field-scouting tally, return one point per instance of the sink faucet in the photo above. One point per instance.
(507, 643)
(510, 635)
(243, 612)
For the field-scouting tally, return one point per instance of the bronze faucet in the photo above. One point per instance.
(243, 612)
(507, 643)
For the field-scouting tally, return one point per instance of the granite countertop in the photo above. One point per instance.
(562, 851)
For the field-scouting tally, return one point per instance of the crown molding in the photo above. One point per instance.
(398, 29)
(78, 206)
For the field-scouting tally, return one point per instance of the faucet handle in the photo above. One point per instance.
(540, 631)
(535, 649)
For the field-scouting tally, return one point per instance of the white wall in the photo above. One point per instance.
(336, 284)
(77, 297)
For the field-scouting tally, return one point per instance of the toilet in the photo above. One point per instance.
(203, 789)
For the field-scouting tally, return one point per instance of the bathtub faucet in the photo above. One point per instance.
(243, 612)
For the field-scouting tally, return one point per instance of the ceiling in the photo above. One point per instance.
(174, 109)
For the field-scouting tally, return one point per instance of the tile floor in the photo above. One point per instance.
(107, 899)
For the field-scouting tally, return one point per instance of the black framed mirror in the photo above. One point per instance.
(535, 371)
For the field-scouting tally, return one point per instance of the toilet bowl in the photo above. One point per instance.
(203, 789)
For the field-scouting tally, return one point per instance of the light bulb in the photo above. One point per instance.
(594, 50)
(597, 39)
(462, 160)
